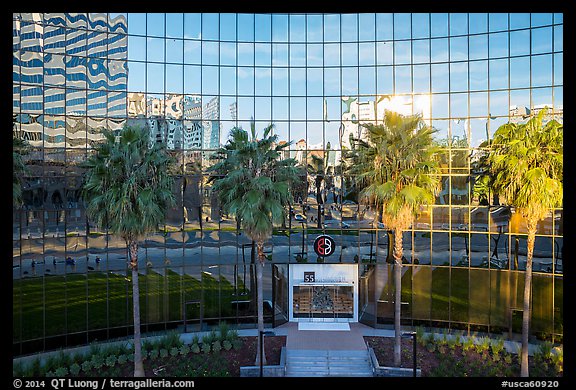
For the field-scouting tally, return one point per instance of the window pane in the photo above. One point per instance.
(175, 25)
(498, 45)
(420, 25)
(384, 26)
(478, 75)
(367, 27)
(498, 74)
(458, 49)
(542, 40)
(498, 22)
(458, 24)
(297, 28)
(542, 70)
(227, 27)
(439, 50)
(478, 47)
(519, 43)
(439, 25)
(402, 26)
(421, 51)
(478, 23)
(155, 24)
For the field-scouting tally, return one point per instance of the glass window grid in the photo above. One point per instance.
(364, 95)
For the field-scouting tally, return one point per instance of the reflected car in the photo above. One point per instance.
(300, 217)
(348, 201)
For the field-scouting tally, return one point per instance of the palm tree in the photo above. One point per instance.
(396, 163)
(254, 186)
(526, 169)
(128, 190)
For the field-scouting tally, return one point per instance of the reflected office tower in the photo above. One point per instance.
(83, 72)
(192, 122)
(211, 126)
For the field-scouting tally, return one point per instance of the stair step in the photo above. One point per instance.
(309, 363)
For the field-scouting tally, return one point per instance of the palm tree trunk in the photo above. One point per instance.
(397, 296)
(259, 269)
(138, 365)
(527, 298)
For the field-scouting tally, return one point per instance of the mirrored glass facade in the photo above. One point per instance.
(190, 78)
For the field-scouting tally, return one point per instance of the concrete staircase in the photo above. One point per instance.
(312, 363)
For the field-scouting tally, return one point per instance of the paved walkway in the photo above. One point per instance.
(333, 340)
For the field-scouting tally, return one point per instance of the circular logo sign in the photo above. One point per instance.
(324, 245)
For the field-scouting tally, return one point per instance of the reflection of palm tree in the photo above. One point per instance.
(128, 189)
(318, 168)
(252, 183)
(396, 163)
(526, 162)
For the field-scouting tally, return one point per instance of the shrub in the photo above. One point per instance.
(420, 335)
(237, 344)
(544, 350)
(227, 345)
(195, 339)
(483, 345)
(184, 350)
(174, 351)
(444, 339)
(195, 348)
(163, 353)
(154, 354)
(508, 358)
(61, 372)
(223, 329)
(208, 338)
(497, 347)
(232, 335)
(50, 374)
(216, 346)
(122, 359)
(110, 361)
(205, 347)
(557, 358)
(86, 366)
(75, 369)
(147, 346)
(468, 344)
(97, 361)
(171, 339)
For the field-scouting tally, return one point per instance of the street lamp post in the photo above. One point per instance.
(261, 335)
(413, 335)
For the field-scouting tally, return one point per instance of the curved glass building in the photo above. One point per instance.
(190, 78)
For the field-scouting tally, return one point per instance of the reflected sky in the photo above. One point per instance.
(269, 66)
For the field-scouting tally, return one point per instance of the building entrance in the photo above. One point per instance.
(323, 292)
(323, 301)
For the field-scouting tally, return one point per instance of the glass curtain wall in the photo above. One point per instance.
(190, 78)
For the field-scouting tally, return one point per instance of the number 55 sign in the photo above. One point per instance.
(324, 245)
